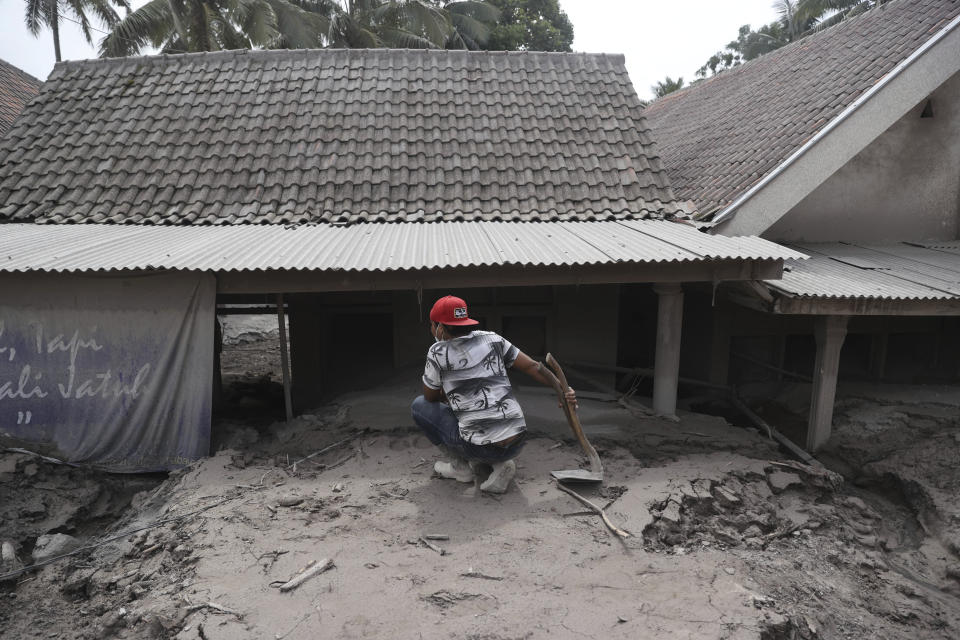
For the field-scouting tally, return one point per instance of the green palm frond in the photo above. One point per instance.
(204, 25)
(470, 31)
(428, 20)
(37, 15)
(205, 38)
(298, 28)
(257, 21)
(480, 11)
(400, 39)
(103, 10)
(151, 24)
(77, 9)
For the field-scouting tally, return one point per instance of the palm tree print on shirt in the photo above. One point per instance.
(501, 405)
(493, 362)
(455, 399)
(482, 388)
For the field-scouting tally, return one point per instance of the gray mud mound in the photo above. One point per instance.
(745, 508)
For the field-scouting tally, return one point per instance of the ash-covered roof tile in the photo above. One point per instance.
(16, 89)
(335, 136)
(722, 135)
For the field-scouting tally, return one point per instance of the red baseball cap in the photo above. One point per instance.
(451, 310)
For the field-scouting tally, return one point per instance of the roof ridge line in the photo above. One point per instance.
(615, 58)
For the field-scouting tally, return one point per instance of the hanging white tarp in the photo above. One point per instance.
(114, 371)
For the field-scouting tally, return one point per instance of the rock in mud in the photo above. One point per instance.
(289, 500)
(8, 553)
(725, 497)
(780, 481)
(953, 571)
(49, 546)
(76, 587)
(671, 513)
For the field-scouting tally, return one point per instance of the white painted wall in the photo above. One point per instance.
(905, 185)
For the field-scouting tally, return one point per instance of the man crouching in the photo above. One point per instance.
(468, 407)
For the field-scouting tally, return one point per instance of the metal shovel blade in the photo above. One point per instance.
(577, 476)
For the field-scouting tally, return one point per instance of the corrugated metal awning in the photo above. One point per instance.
(869, 277)
(368, 247)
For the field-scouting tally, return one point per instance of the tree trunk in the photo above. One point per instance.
(55, 27)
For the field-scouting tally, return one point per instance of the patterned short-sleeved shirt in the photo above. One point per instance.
(472, 371)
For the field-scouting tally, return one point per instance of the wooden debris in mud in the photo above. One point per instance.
(600, 512)
(320, 452)
(312, 569)
(430, 545)
(215, 607)
(473, 573)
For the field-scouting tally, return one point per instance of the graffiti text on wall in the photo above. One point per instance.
(62, 374)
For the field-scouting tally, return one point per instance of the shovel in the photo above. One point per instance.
(559, 383)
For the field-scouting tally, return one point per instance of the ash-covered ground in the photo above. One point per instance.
(729, 537)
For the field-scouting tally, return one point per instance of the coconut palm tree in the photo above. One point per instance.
(472, 22)
(410, 24)
(181, 26)
(209, 25)
(49, 13)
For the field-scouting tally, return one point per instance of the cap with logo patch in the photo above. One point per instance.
(451, 310)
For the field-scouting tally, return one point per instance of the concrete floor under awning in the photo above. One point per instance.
(386, 407)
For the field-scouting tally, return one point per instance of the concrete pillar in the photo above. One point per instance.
(667, 359)
(720, 349)
(307, 350)
(830, 332)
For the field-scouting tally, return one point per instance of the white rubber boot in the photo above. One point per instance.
(500, 477)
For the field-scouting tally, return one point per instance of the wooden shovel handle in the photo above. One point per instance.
(558, 380)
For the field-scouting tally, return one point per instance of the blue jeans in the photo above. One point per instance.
(441, 427)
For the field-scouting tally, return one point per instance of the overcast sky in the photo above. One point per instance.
(659, 39)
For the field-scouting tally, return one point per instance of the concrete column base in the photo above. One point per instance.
(830, 332)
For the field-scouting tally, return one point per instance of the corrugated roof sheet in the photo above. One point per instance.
(342, 136)
(720, 136)
(393, 247)
(873, 272)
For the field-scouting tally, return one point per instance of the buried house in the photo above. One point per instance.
(348, 188)
(844, 145)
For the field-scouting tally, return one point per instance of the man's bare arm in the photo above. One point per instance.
(529, 366)
(433, 395)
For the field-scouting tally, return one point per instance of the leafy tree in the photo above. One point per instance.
(748, 45)
(49, 13)
(665, 86)
(798, 19)
(530, 25)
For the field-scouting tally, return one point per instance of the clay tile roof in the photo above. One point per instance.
(16, 89)
(718, 137)
(335, 136)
